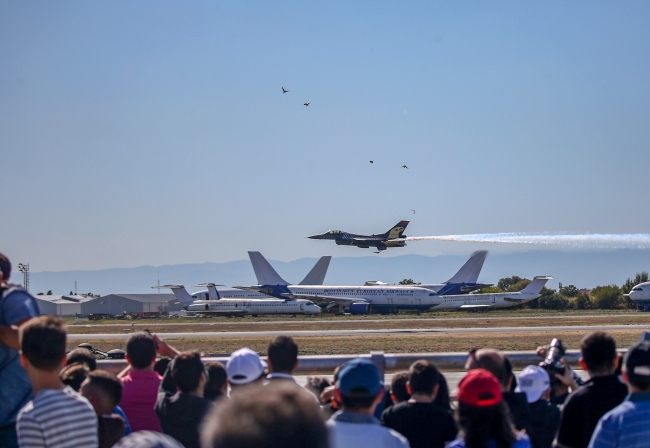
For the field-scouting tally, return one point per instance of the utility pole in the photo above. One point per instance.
(24, 268)
(75, 287)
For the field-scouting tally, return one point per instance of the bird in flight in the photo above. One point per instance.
(372, 161)
(306, 104)
(414, 212)
(404, 166)
(284, 90)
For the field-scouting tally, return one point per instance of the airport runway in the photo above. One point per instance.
(325, 333)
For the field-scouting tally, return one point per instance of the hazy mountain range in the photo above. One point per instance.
(583, 269)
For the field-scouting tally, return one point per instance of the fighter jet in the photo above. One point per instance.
(381, 241)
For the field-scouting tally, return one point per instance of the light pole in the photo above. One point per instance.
(24, 268)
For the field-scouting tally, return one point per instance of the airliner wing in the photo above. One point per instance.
(221, 311)
(468, 307)
(319, 298)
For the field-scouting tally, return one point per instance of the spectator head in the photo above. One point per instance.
(490, 360)
(398, 390)
(43, 341)
(359, 388)
(73, 375)
(103, 390)
(535, 383)
(317, 384)
(423, 379)
(283, 355)
(141, 351)
(161, 365)
(278, 415)
(217, 384)
(481, 413)
(189, 373)
(147, 439)
(598, 351)
(82, 356)
(636, 368)
(244, 367)
(5, 268)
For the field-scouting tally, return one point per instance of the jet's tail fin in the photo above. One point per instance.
(180, 293)
(535, 287)
(397, 230)
(317, 274)
(470, 271)
(264, 272)
(212, 290)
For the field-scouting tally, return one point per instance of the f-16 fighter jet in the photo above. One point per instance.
(381, 241)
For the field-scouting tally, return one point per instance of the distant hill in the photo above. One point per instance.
(583, 269)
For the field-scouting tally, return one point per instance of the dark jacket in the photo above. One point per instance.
(110, 429)
(544, 421)
(180, 414)
(519, 409)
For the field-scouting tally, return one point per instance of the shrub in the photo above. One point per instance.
(583, 302)
(606, 297)
(554, 301)
(570, 291)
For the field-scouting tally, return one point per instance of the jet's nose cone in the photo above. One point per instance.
(314, 237)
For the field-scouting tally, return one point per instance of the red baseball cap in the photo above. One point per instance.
(479, 388)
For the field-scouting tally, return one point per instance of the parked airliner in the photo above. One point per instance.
(462, 283)
(641, 296)
(234, 307)
(366, 299)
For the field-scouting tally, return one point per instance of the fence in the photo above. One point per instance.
(391, 362)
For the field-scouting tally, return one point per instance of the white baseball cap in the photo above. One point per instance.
(533, 381)
(244, 366)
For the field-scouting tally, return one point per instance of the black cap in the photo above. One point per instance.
(637, 362)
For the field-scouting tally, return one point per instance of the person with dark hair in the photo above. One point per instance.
(359, 391)
(160, 367)
(82, 356)
(483, 416)
(627, 424)
(17, 306)
(141, 382)
(282, 358)
(244, 368)
(498, 365)
(602, 393)
(443, 399)
(73, 375)
(104, 391)
(57, 416)
(217, 385)
(535, 383)
(418, 419)
(398, 389)
(181, 406)
(276, 415)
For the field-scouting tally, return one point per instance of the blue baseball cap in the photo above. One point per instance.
(359, 374)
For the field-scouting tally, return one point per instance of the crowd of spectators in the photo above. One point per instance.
(167, 398)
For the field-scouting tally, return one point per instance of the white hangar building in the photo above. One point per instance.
(70, 305)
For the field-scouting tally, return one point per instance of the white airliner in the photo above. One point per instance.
(315, 277)
(462, 283)
(366, 299)
(235, 307)
(641, 296)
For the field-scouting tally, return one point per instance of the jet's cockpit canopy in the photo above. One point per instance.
(334, 231)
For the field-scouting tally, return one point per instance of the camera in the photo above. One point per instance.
(552, 363)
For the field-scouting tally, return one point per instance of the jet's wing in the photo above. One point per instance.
(263, 290)
(327, 299)
(365, 240)
(467, 307)
(220, 312)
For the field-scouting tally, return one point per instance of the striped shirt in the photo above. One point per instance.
(626, 425)
(58, 418)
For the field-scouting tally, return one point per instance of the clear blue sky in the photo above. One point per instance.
(155, 132)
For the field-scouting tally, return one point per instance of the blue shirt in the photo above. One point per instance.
(626, 425)
(16, 304)
(127, 428)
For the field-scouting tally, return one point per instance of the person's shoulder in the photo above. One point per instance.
(458, 443)
(77, 398)
(394, 436)
(26, 410)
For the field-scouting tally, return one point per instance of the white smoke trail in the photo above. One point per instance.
(590, 240)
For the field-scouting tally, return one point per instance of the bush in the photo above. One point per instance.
(520, 285)
(505, 283)
(554, 301)
(570, 291)
(606, 297)
(489, 290)
(583, 302)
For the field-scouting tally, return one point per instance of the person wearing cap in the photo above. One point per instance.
(359, 390)
(245, 367)
(535, 383)
(17, 306)
(483, 416)
(627, 424)
(602, 393)
(423, 423)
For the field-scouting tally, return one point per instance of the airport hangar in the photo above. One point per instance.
(71, 305)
